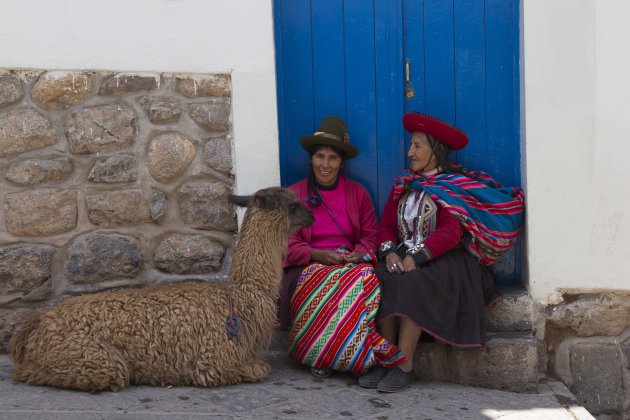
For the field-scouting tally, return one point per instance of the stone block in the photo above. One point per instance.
(94, 258)
(117, 208)
(188, 254)
(205, 205)
(23, 129)
(56, 90)
(112, 169)
(592, 314)
(168, 156)
(40, 212)
(10, 89)
(24, 268)
(162, 109)
(597, 376)
(39, 171)
(513, 313)
(509, 361)
(207, 85)
(158, 205)
(218, 154)
(101, 128)
(126, 83)
(213, 115)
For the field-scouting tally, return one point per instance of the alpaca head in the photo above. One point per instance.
(279, 200)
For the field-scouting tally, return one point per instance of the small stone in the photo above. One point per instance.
(10, 89)
(161, 110)
(213, 115)
(205, 205)
(102, 128)
(56, 90)
(218, 154)
(169, 155)
(188, 254)
(212, 85)
(39, 171)
(111, 169)
(157, 206)
(40, 212)
(24, 268)
(24, 129)
(94, 258)
(125, 83)
(591, 314)
(117, 208)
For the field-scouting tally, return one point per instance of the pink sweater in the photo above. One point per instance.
(362, 217)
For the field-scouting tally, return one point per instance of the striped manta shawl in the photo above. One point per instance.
(491, 213)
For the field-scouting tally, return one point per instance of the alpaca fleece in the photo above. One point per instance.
(170, 334)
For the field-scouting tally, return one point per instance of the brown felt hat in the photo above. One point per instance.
(331, 132)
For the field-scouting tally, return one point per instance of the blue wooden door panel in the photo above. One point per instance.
(470, 79)
(360, 92)
(294, 60)
(329, 88)
(389, 80)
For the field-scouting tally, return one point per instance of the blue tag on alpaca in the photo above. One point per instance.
(233, 326)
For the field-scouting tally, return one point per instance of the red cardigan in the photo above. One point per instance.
(447, 235)
(362, 217)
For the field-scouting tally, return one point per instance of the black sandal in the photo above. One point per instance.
(321, 373)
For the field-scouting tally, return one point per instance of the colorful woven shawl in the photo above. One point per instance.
(491, 213)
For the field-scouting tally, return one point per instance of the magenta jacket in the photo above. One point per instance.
(362, 217)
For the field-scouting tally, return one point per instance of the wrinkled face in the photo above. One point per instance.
(326, 163)
(422, 157)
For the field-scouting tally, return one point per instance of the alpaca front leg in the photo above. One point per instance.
(255, 371)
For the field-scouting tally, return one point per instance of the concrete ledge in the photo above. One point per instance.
(515, 312)
(509, 362)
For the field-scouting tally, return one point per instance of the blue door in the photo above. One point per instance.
(369, 61)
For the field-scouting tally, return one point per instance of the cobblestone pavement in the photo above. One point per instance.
(290, 392)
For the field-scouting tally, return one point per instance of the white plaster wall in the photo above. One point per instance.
(198, 36)
(576, 124)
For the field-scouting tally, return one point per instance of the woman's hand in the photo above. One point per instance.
(326, 257)
(393, 263)
(409, 264)
(354, 257)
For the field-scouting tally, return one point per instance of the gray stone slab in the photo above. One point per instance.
(290, 392)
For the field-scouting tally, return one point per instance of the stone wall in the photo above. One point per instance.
(588, 342)
(110, 180)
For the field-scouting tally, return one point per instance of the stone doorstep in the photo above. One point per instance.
(515, 312)
(509, 362)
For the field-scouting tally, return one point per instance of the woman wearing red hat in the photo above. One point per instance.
(440, 227)
(329, 295)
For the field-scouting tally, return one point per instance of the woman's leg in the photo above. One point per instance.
(407, 341)
(387, 329)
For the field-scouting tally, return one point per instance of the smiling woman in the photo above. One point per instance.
(329, 294)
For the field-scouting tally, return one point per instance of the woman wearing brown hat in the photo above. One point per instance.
(440, 227)
(329, 294)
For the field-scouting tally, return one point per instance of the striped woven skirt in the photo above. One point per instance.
(333, 311)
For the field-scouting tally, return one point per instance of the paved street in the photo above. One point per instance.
(290, 392)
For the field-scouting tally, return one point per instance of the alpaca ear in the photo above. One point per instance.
(241, 200)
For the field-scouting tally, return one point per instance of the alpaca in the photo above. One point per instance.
(180, 334)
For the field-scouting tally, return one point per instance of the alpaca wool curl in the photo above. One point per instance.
(170, 334)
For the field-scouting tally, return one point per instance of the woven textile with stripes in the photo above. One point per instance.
(333, 311)
(493, 215)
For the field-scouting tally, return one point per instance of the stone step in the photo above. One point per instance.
(509, 362)
(515, 312)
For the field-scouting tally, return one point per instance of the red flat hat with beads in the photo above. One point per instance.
(455, 138)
